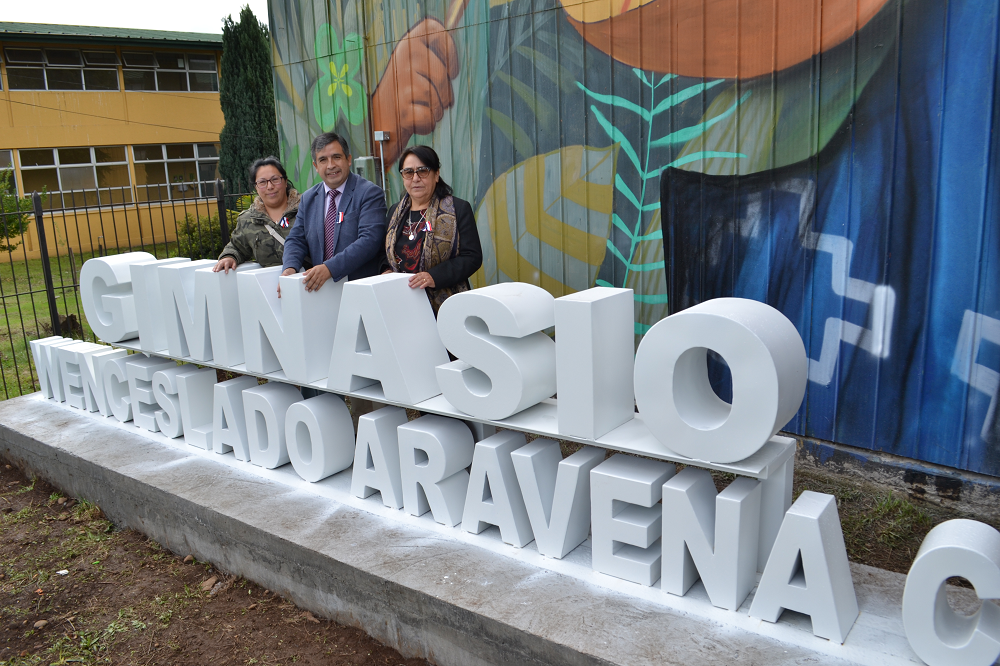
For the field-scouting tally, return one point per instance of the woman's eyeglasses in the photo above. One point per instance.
(263, 182)
(408, 173)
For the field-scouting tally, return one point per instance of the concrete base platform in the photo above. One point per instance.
(425, 589)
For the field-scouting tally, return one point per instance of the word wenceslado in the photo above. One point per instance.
(379, 330)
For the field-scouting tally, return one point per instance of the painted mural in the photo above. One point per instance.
(835, 159)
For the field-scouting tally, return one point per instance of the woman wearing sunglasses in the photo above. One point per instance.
(261, 229)
(431, 233)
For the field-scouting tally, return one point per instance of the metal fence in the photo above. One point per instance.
(43, 249)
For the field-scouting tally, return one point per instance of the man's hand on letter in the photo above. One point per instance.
(316, 276)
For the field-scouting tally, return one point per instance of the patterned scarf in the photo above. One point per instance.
(440, 245)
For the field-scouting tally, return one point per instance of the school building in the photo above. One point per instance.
(116, 116)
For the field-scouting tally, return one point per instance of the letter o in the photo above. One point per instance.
(939, 635)
(675, 399)
(319, 434)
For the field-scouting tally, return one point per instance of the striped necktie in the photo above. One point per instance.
(331, 226)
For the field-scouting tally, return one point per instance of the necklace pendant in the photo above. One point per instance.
(411, 236)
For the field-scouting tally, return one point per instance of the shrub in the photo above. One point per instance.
(202, 238)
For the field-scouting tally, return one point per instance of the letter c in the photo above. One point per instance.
(939, 635)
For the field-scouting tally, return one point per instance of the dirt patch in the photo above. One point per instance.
(882, 527)
(76, 590)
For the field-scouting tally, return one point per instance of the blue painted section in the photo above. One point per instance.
(910, 181)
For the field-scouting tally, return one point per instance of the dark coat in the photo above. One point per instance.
(470, 250)
(360, 237)
(253, 240)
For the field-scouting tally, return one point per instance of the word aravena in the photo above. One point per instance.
(646, 522)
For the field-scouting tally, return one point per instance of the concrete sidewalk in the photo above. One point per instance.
(422, 588)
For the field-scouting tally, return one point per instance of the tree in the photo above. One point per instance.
(246, 92)
(15, 212)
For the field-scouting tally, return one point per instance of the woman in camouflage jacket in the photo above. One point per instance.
(261, 229)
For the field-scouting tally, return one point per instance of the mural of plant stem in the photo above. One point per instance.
(643, 226)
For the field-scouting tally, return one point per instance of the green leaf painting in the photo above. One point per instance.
(639, 219)
(338, 93)
(647, 280)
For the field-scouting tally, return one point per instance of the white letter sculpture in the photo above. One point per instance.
(506, 364)
(808, 571)
(148, 306)
(386, 333)
(46, 358)
(376, 456)
(595, 337)
(769, 369)
(710, 536)
(116, 388)
(493, 497)
(626, 521)
(100, 390)
(81, 367)
(293, 333)
(165, 390)
(140, 370)
(939, 635)
(190, 315)
(106, 292)
(195, 392)
(74, 367)
(229, 424)
(319, 434)
(434, 452)
(556, 493)
(265, 408)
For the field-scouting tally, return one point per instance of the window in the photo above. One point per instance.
(61, 69)
(175, 171)
(177, 72)
(77, 177)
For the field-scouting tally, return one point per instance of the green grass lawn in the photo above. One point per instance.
(24, 312)
(24, 306)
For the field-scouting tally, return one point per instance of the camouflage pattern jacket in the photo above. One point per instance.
(255, 237)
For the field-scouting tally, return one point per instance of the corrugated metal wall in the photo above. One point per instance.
(835, 159)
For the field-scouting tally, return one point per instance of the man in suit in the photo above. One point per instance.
(340, 230)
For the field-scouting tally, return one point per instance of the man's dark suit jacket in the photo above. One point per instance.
(360, 237)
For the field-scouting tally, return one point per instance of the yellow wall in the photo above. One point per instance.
(53, 119)
(137, 228)
(50, 119)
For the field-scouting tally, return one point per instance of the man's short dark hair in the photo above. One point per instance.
(325, 139)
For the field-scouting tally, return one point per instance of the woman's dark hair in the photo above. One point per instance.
(270, 160)
(430, 159)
